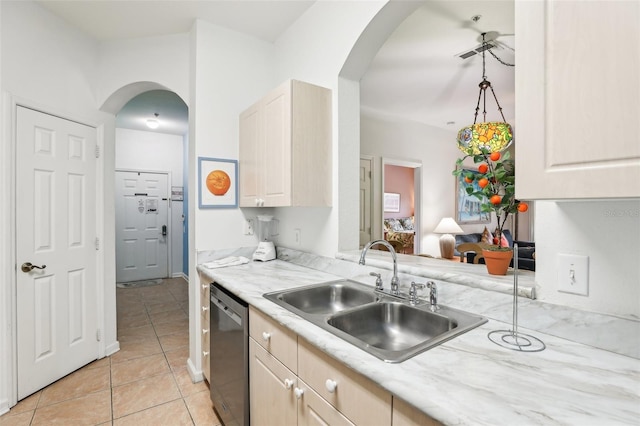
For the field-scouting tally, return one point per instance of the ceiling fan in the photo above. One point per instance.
(489, 44)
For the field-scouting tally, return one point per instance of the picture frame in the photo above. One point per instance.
(391, 202)
(468, 206)
(217, 183)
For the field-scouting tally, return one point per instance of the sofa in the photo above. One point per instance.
(401, 232)
(526, 249)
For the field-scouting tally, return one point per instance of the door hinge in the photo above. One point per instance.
(97, 243)
(97, 151)
(98, 335)
(369, 174)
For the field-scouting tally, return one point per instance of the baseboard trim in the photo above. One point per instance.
(196, 375)
(112, 348)
(180, 275)
(4, 406)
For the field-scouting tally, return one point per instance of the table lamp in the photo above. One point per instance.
(446, 227)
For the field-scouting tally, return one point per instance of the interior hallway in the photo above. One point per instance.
(145, 383)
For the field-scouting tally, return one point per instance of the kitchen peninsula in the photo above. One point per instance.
(467, 380)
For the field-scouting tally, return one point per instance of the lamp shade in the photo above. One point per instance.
(492, 136)
(448, 226)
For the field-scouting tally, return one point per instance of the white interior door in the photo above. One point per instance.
(142, 226)
(56, 231)
(365, 201)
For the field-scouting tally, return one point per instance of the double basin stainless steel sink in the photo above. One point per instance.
(385, 326)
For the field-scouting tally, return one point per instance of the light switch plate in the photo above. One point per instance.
(573, 274)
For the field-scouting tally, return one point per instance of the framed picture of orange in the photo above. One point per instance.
(217, 183)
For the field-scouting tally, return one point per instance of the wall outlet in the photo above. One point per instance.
(248, 227)
(297, 236)
(573, 274)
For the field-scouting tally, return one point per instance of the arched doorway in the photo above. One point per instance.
(156, 157)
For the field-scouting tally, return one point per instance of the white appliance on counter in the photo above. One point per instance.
(267, 228)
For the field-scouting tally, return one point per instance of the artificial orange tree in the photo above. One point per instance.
(496, 183)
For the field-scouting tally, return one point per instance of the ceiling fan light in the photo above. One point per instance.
(152, 123)
(489, 136)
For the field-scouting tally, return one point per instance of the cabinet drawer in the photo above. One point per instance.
(276, 339)
(358, 398)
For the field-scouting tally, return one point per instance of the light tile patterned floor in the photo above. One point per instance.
(145, 383)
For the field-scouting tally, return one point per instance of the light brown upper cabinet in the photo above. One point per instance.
(577, 99)
(285, 148)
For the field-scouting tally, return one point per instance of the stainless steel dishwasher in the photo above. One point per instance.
(229, 340)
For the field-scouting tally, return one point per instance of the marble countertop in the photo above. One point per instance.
(468, 380)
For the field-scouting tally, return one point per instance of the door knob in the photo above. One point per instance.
(28, 266)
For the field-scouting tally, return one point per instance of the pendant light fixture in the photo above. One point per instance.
(488, 136)
(152, 123)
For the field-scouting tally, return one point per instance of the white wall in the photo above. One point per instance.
(606, 231)
(51, 67)
(228, 72)
(232, 71)
(156, 152)
(162, 60)
(315, 49)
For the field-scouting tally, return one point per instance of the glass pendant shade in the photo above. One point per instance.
(491, 136)
(486, 136)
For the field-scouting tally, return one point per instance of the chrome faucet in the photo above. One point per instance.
(394, 279)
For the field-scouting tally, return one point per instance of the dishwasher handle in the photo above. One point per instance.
(227, 310)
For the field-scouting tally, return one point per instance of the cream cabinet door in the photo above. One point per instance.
(250, 154)
(577, 99)
(272, 398)
(277, 147)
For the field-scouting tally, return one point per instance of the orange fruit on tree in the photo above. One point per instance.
(468, 179)
(483, 168)
(483, 182)
(218, 182)
(523, 207)
(495, 199)
(495, 156)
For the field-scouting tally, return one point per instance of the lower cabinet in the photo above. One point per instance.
(271, 389)
(279, 397)
(204, 327)
(406, 415)
(323, 392)
(355, 396)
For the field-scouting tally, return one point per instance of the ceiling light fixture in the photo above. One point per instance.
(153, 123)
(489, 136)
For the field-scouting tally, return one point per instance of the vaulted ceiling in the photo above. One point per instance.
(416, 75)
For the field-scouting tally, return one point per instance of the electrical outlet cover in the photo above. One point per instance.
(573, 274)
(248, 227)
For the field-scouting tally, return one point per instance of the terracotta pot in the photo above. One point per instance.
(497, 261)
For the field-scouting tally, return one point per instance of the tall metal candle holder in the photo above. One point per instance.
(513, 339)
